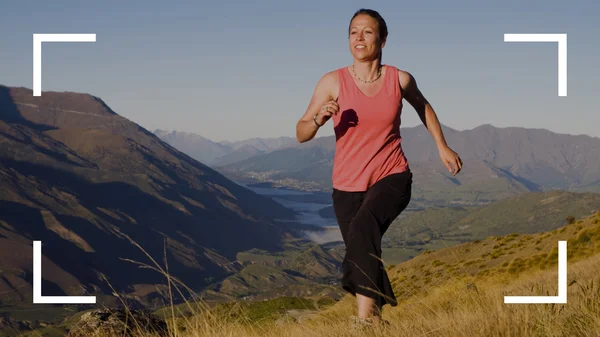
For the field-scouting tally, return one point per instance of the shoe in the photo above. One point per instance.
(358, 323)
(361, 323)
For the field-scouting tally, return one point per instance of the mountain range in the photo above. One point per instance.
(498, 163)
(221, 153)
(97, 189)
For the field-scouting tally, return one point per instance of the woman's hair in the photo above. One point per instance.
(383, 31)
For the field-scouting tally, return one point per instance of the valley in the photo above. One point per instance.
(115, 204)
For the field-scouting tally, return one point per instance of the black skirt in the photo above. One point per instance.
(363, 218)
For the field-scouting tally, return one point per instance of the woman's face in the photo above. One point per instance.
(364, 38)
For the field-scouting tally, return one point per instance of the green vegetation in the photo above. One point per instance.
(440, 227)
(260, 312)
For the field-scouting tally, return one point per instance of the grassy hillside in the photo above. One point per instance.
(304, 269)
(307, 271)
(440, 227)
(457, 291)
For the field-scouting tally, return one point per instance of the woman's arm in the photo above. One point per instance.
(306, 128)
(413, 95)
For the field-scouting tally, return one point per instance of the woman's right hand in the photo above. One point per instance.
(322, 106)
(327, 110)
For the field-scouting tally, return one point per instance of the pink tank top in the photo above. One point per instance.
(367, 131)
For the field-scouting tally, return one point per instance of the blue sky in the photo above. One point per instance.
(236, 70)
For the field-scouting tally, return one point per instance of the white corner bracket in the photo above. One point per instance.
(562, 283)
(562, 53)
(37, 53)
(37, 284)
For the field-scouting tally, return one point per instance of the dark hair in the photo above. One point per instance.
(383, 31)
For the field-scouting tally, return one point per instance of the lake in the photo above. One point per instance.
(308, 205)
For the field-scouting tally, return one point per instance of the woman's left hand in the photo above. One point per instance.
(451, 160)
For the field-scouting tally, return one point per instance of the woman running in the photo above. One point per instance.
(371, 177)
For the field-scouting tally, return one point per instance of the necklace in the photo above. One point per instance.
(371, 81)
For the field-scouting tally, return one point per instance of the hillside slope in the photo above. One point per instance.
(526, 213)
(88, 183)
(452, 292)
(460, 291)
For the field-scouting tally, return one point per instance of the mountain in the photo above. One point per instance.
(239, 154)
(194, 145)
(96, 189)
(221, 153)
(262, 144)
(498, 163)
(548, 159)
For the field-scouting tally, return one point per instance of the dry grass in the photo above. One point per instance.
(466, 305)
(452, 310)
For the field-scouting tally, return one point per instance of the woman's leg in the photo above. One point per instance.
(345, 207)
(367, 307)
(364, 273)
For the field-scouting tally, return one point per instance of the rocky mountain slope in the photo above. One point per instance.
(89, 184)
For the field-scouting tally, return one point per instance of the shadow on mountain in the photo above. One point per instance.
(266, 211)
(154, 223)
(58, 156)
(454, 181)
(531, 186)
(294, 273)
(10, 113)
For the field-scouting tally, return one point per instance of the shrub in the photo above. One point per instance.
(584, 237)
(437, 263)
(516, 266)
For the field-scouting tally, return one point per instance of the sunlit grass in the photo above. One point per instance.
(432, 303)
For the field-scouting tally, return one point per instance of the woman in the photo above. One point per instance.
(372, 180)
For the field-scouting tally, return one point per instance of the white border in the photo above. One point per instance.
(562, 53)
(37, 53)
(562, 283)
(37, 284)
